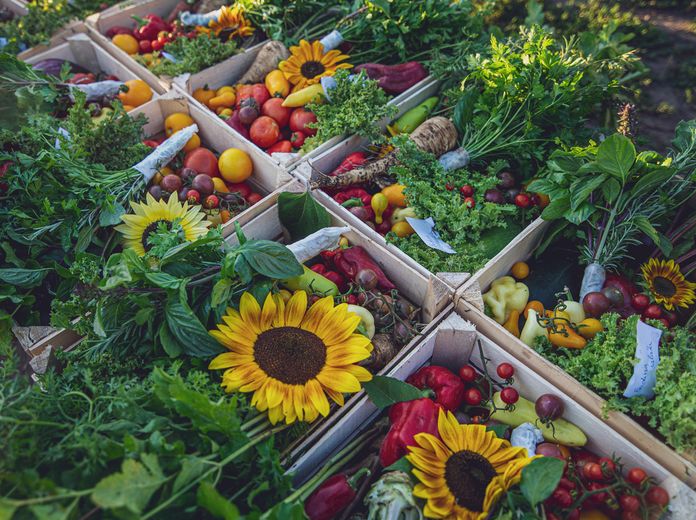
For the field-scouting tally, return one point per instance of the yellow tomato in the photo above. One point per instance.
(402, 229)
(395, 195)
(203, 95)
(192, 143)
(235, 165)
(138, 93)
(126, 43)
(277, 84)
(520, 270)
(175, 122)
(220, 185)
(589, 327)
(224, 89)
(161, 174)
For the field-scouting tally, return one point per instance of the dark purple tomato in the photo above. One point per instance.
(549, 407)
(203, 184)
(506, 180)
(495, 196)
(595, 304)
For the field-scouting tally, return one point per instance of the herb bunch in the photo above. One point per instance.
(194, 54)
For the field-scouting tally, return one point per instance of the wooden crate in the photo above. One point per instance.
(453, 344)
(83, 51)
(468, 304)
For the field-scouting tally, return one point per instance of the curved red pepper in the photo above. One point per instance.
(352, 259)
(351, 162)
(448, 387)
(353, 193)
(408, 420)
(333, 496)
(149, 27)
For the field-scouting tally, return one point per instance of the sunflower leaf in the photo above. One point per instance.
(540, 478)
(385, 391)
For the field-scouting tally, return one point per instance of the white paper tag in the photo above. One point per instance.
(643, 379)
(99, 89)
(164, 153)
(425, 229)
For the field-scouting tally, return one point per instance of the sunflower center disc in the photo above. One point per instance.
(151, 228)
(467, 475)
(664, 287)
(310, 69)
(291, 355)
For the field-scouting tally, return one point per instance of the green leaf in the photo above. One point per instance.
(221, 292)
(582, 187)
(242, 269)
(301, 215)
(23, 277)
(191, 468)
(131, 488)
(581, 215)
(540, 478)
(163, 280)
(401, 465)
(499, 429)
(7, 509)
(384, 391)
(611, 189)
(557, 208)
(616, 155)
(187, 328)
(208, 498)
(169, 343)
(270, 259)
(110, 216)
(658, 238)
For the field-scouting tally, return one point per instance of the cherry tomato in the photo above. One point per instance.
(467, 373)
(300, 118)
(629, 503)
(505, 370)
(657, 496)
(264, 131)
(157, 45)
(567, 484)
(551, 516)
(193, 197)
(509, 395)
(473, 397)
(592, 471)
(573, 515)
(253, 198)
(467, 190)
(601, 496)
(522, 200)
(211, 202)
(665, 322)
(562, 497)
(240, 187)
(297, 139)
(640, 301)
(145, 46)
(150, 143)
(653, 312)
(469, 202)
(449, 187)
(631, 515)
(636, 476)
(608, 466)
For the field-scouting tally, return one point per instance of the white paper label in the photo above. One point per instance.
(425, 229)
(643, 379)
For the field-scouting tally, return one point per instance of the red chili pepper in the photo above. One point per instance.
(151, 143)
(318, 268)
(82, 78)
(350, 163)
(408, 420)
(149, 27)
(333, 496)
(448, 387)
(337, 279)
(353, 193)
(352, 259)
(3, 170)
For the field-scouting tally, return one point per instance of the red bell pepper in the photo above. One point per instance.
(333, 496)
(319, 268)
(350, 163)
(448, 387)
(82, 78)
(408, 420)
(149, 27)
(258, 91)
(352, 259)
(337, 279)
(353, 193)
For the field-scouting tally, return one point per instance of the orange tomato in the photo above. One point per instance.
(224, 89)
(395, 195)
(203, 95)
(225, 215)
(126, 43)
(235, 165)
(176, 121)
(520, 270)
(138, 93)
(536, 305)
(192, 143)
(128, 108)
(402, 229)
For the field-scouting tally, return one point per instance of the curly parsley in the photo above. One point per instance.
(194, 54)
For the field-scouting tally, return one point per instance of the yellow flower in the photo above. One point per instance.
(148, 215)
(308, 63)
(667, 284)
(463, 475)
(230, 19)
(292, 357)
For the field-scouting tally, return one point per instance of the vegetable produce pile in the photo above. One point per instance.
(231, 325)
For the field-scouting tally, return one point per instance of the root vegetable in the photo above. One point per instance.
(437, 135)
(266, 61)
(384, 350)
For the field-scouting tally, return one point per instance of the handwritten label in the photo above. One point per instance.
(642, 381)
(425, 229)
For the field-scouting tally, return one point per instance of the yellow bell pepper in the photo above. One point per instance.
(504, 296)
(304, 96)
(379, 203)
(277, 84)
(574, 309)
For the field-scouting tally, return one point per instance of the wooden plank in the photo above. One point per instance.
(620, 422)
(70, 29)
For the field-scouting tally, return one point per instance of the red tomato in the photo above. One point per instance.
(505, 370)
(636, 476)
(145, 46)
(473, 397)
(300, 118)
(157, 45)
(467, 373)
(264, 132)
(631, 515)
(297, 139)
(509, 396)
(274, 108)
(280, 146)
(629, 503)
(254, 198)
(562, 497)
(658, 496)
(150, 143)
(202, 160)
(592, 471)
(608, 466)
(241, 187)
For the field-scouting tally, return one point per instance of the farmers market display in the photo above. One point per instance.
(239, 243)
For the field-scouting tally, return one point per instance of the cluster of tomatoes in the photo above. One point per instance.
(219, 184)
(257, 112)
(474, 396)
(594, 487)
(506, 192)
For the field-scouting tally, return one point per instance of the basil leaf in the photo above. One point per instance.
(23, 277)
(218, 506)
(189, 331)
(111, 215)
(301, 215)
(385, 391)
(540, 478)
(169, 343)
(221, 292)
(616, 156)
(582, 187)
(163, 280)
(270, 259)
(557, 208)
(401, 465)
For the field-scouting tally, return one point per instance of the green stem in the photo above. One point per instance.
(44, 500)
(605, 233)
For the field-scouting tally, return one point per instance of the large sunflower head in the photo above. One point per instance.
(292, 357)
(308, 63)
(152, 216)
(230, 19)
(667, 284)
(463, 475)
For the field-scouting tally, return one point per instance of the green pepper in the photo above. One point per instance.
(413, 118)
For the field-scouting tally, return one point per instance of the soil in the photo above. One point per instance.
(664, 103)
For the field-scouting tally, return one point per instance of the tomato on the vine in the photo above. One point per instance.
(467, 373)
(473, 397)
(592, 471)
(657, 496)
(608, 466)
(509, 395)
(629, 503)
(562, 497)
(505, 370)
(636, 476)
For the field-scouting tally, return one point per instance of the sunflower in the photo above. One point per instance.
(292, 357)
(148, 216)
(230, 19)
(667, 284)
(463, 475)
(308, 63)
